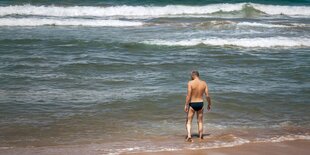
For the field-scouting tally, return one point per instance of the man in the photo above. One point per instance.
(196, 88)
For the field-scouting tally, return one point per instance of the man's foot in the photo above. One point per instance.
(189, 139)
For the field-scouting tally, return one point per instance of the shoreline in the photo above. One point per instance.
(299, 147)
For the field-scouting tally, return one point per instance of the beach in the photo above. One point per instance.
(299, 147)
(110, 77)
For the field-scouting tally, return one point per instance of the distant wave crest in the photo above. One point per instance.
(66, 22)
(150, 10)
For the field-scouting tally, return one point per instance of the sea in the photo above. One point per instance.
(111, 76)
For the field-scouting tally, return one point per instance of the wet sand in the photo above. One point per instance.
(296, 147)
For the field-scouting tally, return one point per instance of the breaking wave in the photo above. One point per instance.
(255, 24)
(242, 42)
(125, 10)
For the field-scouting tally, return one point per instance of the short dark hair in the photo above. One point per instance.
(194, 72)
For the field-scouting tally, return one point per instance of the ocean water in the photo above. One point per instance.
(113, 74)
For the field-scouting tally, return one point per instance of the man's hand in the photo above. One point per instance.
(209, 107)
(186, 108)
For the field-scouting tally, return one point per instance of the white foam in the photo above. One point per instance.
(220, 144)
(116, 10)
(286, 10)
(5, 147)
(243, 42)
(163, 147)
(255, 24)
(236, 141)
(300, 25)
(65, 22)
(284, 138)
(147, 10)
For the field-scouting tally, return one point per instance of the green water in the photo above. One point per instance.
(124, 86)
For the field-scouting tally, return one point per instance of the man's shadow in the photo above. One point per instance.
(197, 135)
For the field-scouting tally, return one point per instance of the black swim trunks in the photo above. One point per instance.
(196, 105)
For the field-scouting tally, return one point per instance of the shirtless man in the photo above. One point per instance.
(196, 88)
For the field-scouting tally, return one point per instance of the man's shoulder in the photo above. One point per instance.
(204, 82)
(190, 82)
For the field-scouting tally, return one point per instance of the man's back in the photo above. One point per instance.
(198, 88)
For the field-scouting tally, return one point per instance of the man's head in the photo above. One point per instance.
(195, 74)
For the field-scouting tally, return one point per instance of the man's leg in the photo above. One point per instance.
(189, 120)
(200, 123)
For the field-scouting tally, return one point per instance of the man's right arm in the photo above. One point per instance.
(208, 97)
(188, 97)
